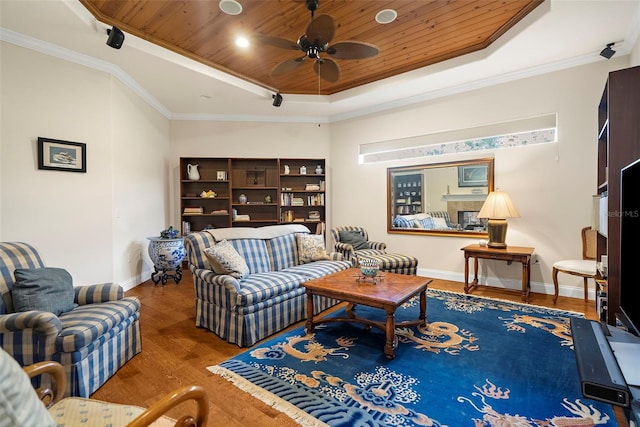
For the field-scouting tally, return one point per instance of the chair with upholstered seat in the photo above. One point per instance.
(353, 243)
(22, 405)
(90, 330)
(585, 267)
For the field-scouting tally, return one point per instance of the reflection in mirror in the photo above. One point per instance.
(440, 198)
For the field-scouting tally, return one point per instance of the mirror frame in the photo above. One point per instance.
(392, 172)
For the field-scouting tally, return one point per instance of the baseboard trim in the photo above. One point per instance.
(515, 284)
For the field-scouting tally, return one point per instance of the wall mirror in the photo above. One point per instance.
(440, 199)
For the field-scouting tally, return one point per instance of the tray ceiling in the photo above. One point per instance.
(424, 33)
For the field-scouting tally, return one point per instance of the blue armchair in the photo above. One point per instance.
(91, 341)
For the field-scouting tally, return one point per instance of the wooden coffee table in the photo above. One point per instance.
(388, 293)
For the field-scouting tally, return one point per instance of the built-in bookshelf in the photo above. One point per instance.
(252, 192)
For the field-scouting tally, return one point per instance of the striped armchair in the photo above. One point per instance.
(91, 341)
(347, 250)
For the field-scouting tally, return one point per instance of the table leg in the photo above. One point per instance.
(466, 274)
(423, 308)
(392, 339)
(526, 279)
(309, 323)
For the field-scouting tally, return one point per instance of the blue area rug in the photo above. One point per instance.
(479, 362)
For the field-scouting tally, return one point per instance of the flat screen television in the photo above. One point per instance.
(630, 247)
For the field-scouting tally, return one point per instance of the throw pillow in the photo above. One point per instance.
(354, 239)
(224, 259)
(440, 223)
(311, 247)
(44, 289)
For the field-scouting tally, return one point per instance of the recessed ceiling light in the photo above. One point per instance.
(386, 16)
(242, 42)
(230, 7)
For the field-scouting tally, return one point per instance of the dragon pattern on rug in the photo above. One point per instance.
(398, 398)
(586, 416)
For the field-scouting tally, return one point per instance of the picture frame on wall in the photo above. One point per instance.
(59, 155)
(473, 176)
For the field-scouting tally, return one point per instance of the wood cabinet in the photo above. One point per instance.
(618, 145)
(252, 192)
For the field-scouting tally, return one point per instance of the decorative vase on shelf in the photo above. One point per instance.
(192, 172)
(303, 170)
(243, 198)
(318, 170)
(286, 169)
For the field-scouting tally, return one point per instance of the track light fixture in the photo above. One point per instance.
(607, 52)
(116, 37)
(277, 100)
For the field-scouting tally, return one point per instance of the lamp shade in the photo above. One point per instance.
(498, 205)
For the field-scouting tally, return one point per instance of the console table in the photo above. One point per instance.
(510, 254)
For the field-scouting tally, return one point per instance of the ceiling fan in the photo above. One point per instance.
(315, 42)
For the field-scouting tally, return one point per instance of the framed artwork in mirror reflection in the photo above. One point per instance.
(473, 176)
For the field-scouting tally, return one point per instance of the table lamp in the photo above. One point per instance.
(497, 208)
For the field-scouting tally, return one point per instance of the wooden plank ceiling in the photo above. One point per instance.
(424, 33)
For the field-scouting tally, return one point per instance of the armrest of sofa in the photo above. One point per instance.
(209, 277)
(101, 292)
(41, 321)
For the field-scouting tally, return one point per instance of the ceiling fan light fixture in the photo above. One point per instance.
(230, 7)
(386, 16)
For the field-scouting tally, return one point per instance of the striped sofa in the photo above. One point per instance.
(91, 342)
(389, 262)
(270, 298)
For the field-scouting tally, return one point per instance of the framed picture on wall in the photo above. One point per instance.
(473, 176)
(55, 154)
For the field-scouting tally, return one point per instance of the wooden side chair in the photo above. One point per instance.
(585, 267)
(45, 406)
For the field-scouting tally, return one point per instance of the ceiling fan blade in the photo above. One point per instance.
(352, 50)
(321, 29)
(275, 41)
(286, 66)
(327, 70)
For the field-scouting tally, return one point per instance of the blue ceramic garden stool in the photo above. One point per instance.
(167, 256)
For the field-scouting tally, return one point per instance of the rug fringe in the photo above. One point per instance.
(297, 414)
(521, 304)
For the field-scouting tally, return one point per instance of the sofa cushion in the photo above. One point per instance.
(316, 269)
(43, 289)
(224, 259)
(88, 323)
(255, 254)
(354, 239)
(282, 251)
(263, 286)
(311, 247)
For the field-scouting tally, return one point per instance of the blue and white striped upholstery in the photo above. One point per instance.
(271, 298)
(283, 251)
(92, 341)
(391, 263)
(347, 250)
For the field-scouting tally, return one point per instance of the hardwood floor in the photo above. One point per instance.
(176, 353)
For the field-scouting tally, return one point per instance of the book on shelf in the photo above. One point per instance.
(312, 187)
(193, 210)
(241, 218)
(220, 212)
(186, 227)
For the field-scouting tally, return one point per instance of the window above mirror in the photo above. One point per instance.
(439, 199)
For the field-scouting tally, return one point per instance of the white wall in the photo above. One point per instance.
(90, 224)
(550, 184)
